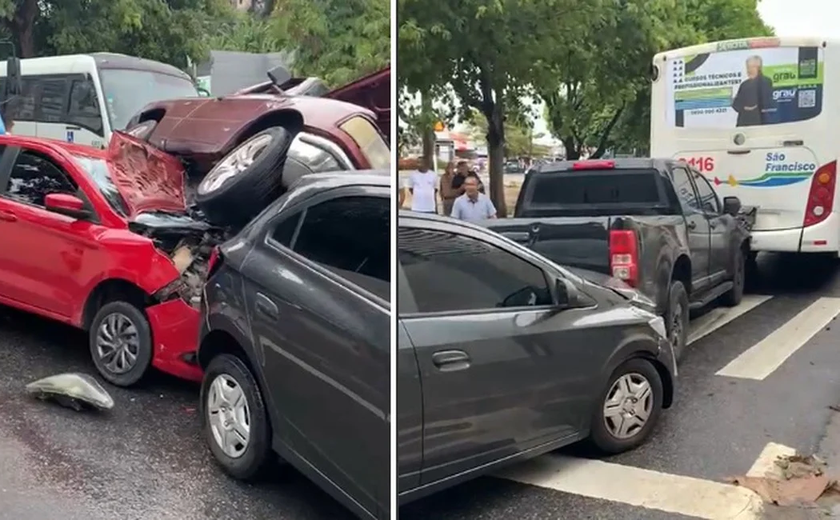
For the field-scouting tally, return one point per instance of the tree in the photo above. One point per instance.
(490, 52)
(519, 134)
(603, 100)
(336, 40)
(245, 32)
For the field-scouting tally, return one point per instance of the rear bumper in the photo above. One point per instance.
(175, 328)
(820, 238)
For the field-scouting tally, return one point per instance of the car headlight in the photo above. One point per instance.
(658, 325)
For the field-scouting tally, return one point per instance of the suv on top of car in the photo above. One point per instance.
(295, 340)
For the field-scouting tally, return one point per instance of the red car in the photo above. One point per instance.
(102, 240)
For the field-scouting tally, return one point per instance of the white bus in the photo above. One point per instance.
(752, 117)
(83, 98)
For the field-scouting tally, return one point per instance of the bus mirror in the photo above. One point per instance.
(14, 85)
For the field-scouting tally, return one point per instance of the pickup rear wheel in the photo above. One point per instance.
(676, 317)
(733, 296)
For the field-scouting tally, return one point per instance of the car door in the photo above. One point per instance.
(495, 356)
(44, 254)
(697, 224)
(409, 407)
(317, 290)
(720, 229)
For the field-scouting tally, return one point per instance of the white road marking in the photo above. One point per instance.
(638, 487)
(763, 358)
(765, 464)
(720, 316)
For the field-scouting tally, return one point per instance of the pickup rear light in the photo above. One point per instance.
(821, 196)
(593, 165)
(624, 256)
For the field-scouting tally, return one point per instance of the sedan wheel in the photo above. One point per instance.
(628, 406)
(117, 343)
(121, 343)
(228, 415)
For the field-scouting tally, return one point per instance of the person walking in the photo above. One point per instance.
(423, 186)
(448, 193)
(473, 206)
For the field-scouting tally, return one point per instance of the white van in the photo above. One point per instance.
(82, 98)
(752, 116)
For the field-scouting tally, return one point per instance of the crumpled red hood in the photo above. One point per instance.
(148, 178)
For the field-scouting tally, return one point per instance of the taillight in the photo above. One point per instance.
(213, 262)
(624, 256)
(821, 196)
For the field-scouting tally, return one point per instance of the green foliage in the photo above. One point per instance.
(245, 32)
(519, 134)
(489, 52)
(337, 40)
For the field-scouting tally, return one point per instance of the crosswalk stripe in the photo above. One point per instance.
(763, 358)
(720, 316)
(638, 487)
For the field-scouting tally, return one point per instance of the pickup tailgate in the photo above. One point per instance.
(572, 241)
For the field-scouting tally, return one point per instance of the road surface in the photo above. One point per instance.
(763, 375)
(144, 460)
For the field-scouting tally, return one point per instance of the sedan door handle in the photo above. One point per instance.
(712, 224)
(8, 216)
(451, 360)
(266, 307)
(692, 225)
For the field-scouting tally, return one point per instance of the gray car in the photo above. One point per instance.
(295, 341)
(504, 355)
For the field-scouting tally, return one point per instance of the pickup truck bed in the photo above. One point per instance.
(648, 222)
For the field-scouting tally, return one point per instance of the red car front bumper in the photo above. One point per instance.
(175, 332)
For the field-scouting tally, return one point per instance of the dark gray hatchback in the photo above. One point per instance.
(504, 355)
(295, 340)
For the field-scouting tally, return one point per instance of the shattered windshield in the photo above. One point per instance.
(97, 170)
(128, 91)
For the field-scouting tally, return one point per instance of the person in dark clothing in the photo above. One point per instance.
(461, 173)
(754, 100)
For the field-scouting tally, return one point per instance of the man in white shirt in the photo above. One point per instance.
(423, 186)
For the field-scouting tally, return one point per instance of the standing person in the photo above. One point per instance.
(448, 194)
(473, 206)
(423, 186)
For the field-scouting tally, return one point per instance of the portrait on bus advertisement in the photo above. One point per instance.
(745, 87)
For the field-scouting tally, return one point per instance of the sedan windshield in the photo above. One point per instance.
(97, 170)
(128, 91)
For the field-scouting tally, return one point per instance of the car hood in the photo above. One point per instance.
(147, 178)
(634, 296)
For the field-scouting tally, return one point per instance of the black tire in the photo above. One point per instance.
(143, 130)
(257, 455)
(734, 296)
(112, 369)
(249, 191)
(676, 317)
(600, 436)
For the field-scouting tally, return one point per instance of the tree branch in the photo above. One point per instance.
(605, 134)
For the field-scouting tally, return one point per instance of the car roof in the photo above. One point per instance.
(72, 148)
(624, 163)
(330, 180)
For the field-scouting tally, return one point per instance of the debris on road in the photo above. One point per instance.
(73, 390)
(795, 480)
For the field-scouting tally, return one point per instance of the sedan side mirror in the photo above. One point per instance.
(731, 205)
(568, 294)
(66, 204)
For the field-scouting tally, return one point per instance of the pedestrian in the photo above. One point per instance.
(448, 193)
(6, 121)
(423, 186)
(461, 174)
(473, 206)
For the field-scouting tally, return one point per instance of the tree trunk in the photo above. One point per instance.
(22, 28)
(572, 150)
(427, 132)
(496, 155)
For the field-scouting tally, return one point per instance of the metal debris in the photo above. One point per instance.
(73, 390)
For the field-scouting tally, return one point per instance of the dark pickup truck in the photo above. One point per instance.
(657, 225)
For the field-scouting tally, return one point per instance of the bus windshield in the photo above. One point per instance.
(128, 91)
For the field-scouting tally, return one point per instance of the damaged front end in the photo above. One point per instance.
(189, 242)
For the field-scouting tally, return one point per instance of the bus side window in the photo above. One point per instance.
(84, 106)
(25, 106)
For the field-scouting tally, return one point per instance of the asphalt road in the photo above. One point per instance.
(716, 429)
(143, 460)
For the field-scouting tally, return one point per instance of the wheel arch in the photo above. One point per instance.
(113, 289)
